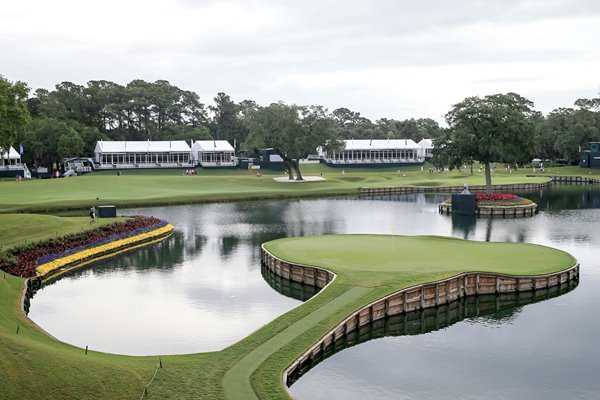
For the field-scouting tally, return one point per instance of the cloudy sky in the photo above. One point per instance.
(394, 59)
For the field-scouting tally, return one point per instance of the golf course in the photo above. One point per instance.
(367, 268)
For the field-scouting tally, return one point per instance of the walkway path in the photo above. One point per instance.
(236, 381)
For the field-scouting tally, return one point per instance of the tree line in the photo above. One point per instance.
(68, 121)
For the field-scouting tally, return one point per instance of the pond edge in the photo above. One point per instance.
(426, 295)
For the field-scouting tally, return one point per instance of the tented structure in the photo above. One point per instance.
(376, 152)
(142, 154)
(11, 164)
(213, 153)
(426, 148)
(12, 157)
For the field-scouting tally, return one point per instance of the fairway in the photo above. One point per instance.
(139, 190)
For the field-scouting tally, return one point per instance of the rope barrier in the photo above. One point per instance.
(145, 391)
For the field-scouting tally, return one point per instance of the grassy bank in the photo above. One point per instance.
(35, 366)
(134, 189)
(16, 229)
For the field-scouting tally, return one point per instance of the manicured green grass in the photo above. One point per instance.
(369, 267)
(130, 190)
(16, 229)
(33, 365)
(375, 259)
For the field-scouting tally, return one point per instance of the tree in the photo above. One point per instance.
(226, 123)
(293, 132)
(14, 114)
(42, 141)
(497, 128)
(70, 145)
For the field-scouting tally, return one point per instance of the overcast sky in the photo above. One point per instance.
(394, 59)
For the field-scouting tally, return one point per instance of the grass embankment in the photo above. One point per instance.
(369, 267)
(133, 189)
(17, 229)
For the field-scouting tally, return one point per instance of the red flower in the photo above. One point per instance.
(496, 196)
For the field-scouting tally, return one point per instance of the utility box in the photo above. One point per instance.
(107, 211)
(464, 204)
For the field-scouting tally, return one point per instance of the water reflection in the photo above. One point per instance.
(463, 225)
(288, 288)
(202, 289)
(484, 309)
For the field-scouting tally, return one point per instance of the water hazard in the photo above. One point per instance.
(203, 289)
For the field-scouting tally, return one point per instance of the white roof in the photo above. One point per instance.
(426, 143)
(165, 146)
(380, 144)
(212, 145)
(12, 154)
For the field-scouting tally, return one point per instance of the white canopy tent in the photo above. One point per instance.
(12, 157)
(213, 153)
(426, 148)
(142, 154)
(377, 151)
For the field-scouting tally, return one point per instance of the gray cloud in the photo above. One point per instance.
(336, 53)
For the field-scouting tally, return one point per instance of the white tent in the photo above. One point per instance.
(142, 154)
(213, 153)
(426, 148)
(376, 151)
(12, 157)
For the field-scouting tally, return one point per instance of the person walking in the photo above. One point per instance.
(92, 214)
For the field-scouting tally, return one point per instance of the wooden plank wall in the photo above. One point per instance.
(409, 299)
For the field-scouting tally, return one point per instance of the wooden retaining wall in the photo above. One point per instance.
(453, 189)
(514, 211)
(305, 274)
(413, 298)
(577, 180)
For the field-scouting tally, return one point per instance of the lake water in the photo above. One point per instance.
(203, 289)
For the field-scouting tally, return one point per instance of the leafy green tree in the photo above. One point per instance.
(14, 114)
(41, 141)
(428, 128)
(227, 123)
(70, 145)
(496, 128)
(293, 132)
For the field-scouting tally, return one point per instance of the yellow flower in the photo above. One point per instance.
(53, 265)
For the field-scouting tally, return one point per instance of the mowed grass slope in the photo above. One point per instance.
(131, 189)
(17, 229)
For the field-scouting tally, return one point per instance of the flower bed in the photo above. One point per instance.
(498, 200)
(22, 261)
(101, 247)
(497, 204)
